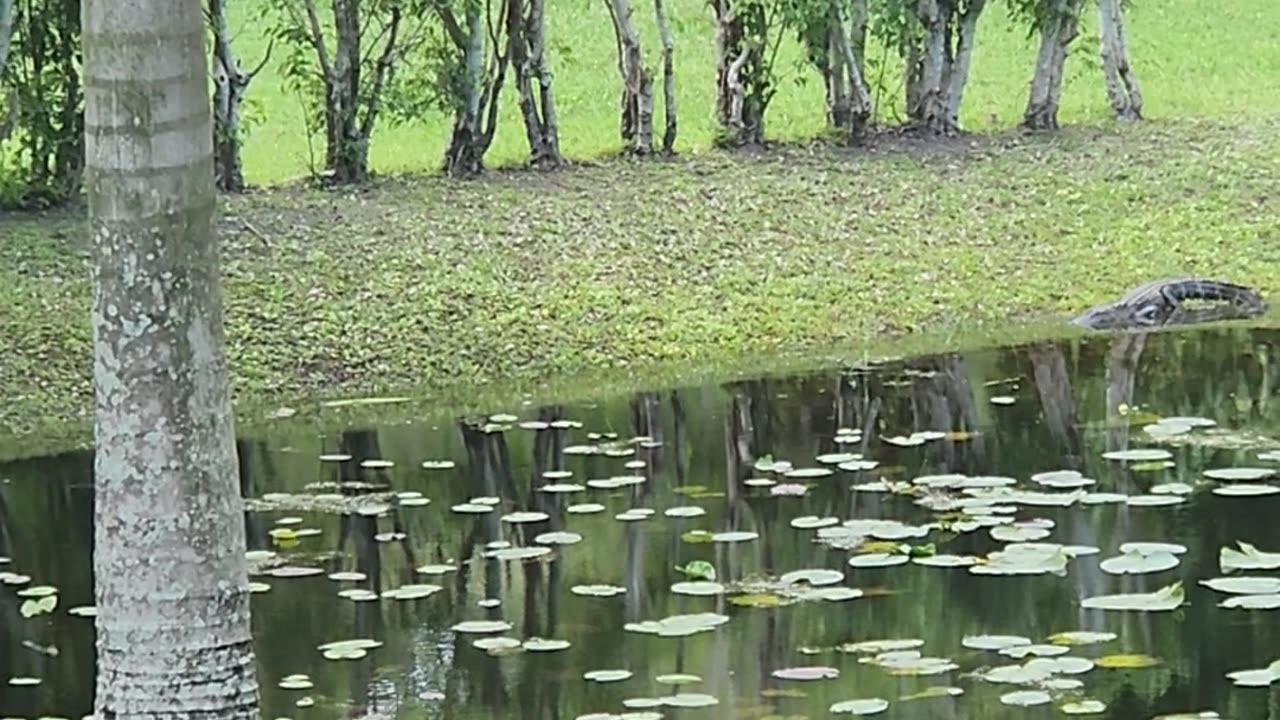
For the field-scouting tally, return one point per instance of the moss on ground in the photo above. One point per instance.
(625, 271)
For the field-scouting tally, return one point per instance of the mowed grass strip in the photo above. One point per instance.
(716, 262)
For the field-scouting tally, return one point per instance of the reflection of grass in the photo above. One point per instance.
(1220, 65)
(629, 271)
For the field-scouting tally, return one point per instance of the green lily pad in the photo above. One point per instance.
(1244, 585)
(597, 590)
(1166, 598)
(1247, 474)
(806, 673)
(861, 706)
(605, 676)
(481, 626)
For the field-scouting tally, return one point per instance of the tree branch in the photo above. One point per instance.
(380, 75)
(317, 39)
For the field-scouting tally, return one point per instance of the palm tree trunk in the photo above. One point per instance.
(170, 580)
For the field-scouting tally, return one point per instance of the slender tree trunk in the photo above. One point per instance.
(476, 116)
(635, 123)
(349, 162)
(1122, 84)
(848, 65)
(230, 83)
(668, 77)
(935, 87)
(1046, 84)
(741, 74)
(958, 72)
(833, 77)
(171, 588)
(859, 17)
(6, 32)
(549, 123)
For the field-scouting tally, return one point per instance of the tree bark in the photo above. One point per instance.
(546, 125)
(939, 71)
(8, 96)
(742, 82)
(173, 634)
(6, 33)
(476, 115)
(1123, 90)
(636, 119)
(345, 156)
(668, 78)
(354, 79)
(856, 110)
(1056, 37)
(230, 83)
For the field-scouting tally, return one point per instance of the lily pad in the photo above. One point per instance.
(597, 590)
(862, 706)
(1244, 585)
(878, 560)
(1248, 557)
(1246, 489)
(820, 576)
(1251, 602)
(1167, 598)
(1026, 698)
(1134, 563)
(604, 676)
(481, 626)
(806, 673)
(1247, 474)
(528, 516)
(537, 644)
(698, 587)
(1138, 455)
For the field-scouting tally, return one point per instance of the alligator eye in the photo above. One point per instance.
(1147, 314)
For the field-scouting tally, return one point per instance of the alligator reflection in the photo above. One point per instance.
(706, 447)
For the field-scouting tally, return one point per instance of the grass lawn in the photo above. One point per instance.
(715, 262)
(712, 263)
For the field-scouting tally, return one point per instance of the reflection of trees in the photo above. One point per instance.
(1053, 384)
(490, 475)
(1123, 356)
(943, 400)
(679, 438)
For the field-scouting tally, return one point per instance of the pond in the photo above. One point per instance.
(932, 537)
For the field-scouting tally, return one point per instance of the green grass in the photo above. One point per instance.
(630, 269)
(1193, 59)
(636, 273)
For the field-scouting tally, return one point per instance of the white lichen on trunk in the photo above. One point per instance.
(476, 109)
(938, 66)
(849, 97)
(636, 118)
(230, 83)
(169, 571)
(1123, 90)
(1057, 32)
(744, 78)
(526, 48)
(6, 32)
(671, 125)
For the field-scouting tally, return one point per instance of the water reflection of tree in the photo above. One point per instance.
(490, 475)
(1123, 356)
(1057, 400)
(943, 400)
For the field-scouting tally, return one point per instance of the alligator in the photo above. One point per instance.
(1159, 303)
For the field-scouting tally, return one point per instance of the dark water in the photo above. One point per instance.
(709, 437)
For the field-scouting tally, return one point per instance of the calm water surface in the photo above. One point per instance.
(1012, 412)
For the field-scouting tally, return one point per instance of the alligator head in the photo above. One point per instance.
(1120, 315)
